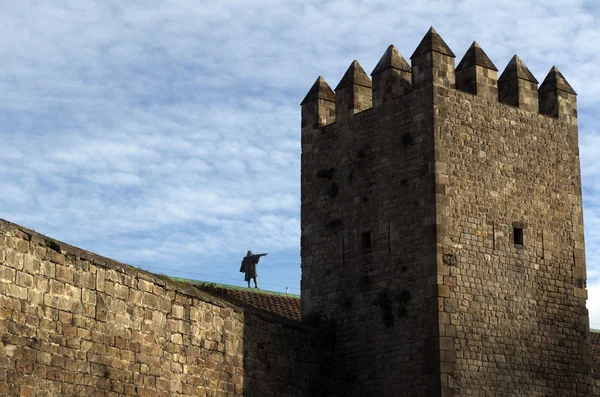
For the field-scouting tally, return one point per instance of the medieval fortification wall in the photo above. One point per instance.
(77, 324)
(442, 227)
(442, 255)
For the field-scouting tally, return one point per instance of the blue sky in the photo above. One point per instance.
(166, 134)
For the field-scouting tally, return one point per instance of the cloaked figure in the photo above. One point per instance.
(249, 267)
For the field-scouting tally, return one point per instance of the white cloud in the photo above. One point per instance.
(594, 304)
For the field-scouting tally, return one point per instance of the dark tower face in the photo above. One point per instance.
(442, 227)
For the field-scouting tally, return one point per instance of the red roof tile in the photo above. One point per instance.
(595, 344)
(284, 305)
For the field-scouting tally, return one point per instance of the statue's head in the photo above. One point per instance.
(249, 253)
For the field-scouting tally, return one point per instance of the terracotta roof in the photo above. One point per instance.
(284, 305)
(595, 344)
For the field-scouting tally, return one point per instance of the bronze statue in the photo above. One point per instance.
(249, 267)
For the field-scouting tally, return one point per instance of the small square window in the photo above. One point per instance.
(366, 240)
(518, 235)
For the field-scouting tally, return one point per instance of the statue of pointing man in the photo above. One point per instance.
(249, 267)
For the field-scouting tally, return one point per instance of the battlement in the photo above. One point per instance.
(432, 63)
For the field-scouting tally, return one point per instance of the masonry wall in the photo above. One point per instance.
(76, 324)
(514, 316)
(376, 297)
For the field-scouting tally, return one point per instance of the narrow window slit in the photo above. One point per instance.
(366, 240)
(518, 235)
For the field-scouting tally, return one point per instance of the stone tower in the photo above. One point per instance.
(442, 228)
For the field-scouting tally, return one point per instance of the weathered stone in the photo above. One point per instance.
(7, 274)
(450, 261)
(453, 197)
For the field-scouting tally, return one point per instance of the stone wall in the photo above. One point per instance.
(368, 243)
(442, 231)
(76, 324)
(516, 312)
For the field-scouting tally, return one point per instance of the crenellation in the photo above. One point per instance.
(353, 94)
(477, 74)
(392, 77)
(318, 107)
(557, 98)
(518, 87)
(432, 62)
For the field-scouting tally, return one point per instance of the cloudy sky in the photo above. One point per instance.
(166, 134)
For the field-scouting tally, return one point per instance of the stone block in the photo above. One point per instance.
(88, 296)
(56, 257)
(35, 297)
(72, 292)
(47, 269)
(22, 245)
(23, 279)
(57, 287)
(7, 274)
(84, 279)
(145, 286)
(16, 291)
(100, 279)
(443, 291)
(14, 259)
(64, 273)
(178, 312)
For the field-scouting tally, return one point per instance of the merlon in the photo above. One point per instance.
(516, 69)
(432, 42)
(391, 59)
(475, 56)
(556, 81)
(319, 90)
(354, 75)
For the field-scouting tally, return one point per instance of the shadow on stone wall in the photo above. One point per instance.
(282, 357)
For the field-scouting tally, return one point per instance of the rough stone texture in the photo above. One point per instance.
(432, 42)
(518, 87)
(409, 248)
(319, 90)
(516, 312)
(477, 74)
(353, 94)
(368, 244)
(557, 97)
(76, 324)
(392, 77)
(413, 266)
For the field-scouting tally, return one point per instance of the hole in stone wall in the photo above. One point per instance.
(325, 173)
(366, 240)
(518, 235)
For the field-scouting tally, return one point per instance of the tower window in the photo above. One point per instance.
(518, 235)
(366, 240)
